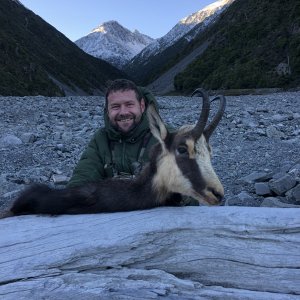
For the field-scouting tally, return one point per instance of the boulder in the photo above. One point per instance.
(168, 252)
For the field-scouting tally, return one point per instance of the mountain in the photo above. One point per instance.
(254, 45)
(143, 67)
(112, 42)
(36, 59)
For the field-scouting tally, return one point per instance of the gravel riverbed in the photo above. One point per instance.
(256, 143)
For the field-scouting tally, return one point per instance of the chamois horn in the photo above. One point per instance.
(217, 118)
(197, 131)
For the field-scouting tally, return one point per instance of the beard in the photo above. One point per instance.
(125, 118)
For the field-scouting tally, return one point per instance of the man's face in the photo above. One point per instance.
(124, 109)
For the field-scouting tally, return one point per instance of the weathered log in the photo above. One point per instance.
(172, 253)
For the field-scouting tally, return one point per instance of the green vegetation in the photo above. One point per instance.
(250, 41)
(247, 44)
(34, 57)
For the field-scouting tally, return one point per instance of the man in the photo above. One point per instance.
(120, 148)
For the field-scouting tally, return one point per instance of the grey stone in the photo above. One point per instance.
(274, 202)
(248, 122)
(282, 185)
(279, 118)
(286, 166)
(28, 137)
(262, 109)
(294, 194)
(262, 188)
(60, 179)
(84, 114)
(9, 139)
(251, 136)
(244, 196)
(295, 171)
(296, 116)
(60, 147)
(272, 132)
(260, 132)
(257, 177)
(279, 175)
(242, 199)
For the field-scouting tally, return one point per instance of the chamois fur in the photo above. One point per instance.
(109, 195)
(179, 165)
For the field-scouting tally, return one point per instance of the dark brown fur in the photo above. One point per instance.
(109, 195)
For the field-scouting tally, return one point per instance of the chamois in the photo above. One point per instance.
(179, 165)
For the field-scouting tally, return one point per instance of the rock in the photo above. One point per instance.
(282, 185)
(173, 253)
(257, 177)
(274, 202)
(244, 196)
(293, 195)
(278, 118)
(242, 199)
(84, 114)
(262, 188)
(296, 116)
(60, 179)
(28, 137)
(295, 172)
(279, 175)
(272, 132)
(9, 139)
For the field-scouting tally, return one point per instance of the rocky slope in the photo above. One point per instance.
(113, 43)
(166, 48)
(255, 148)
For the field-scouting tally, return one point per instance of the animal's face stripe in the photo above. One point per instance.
(185, 167)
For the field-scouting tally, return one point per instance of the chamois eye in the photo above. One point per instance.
(182, 149)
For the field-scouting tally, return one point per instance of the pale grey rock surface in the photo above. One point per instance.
(164, 253)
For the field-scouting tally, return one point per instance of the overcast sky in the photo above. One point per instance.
(76, 19)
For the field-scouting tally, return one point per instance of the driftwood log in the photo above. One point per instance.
(170, 253)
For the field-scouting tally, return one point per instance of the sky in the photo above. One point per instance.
(76, 19)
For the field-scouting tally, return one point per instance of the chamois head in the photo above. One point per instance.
(184, 160)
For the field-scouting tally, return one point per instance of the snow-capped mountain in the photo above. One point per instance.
(114, 43)
(205, 17)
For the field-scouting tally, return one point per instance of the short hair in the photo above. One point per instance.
(122, 85)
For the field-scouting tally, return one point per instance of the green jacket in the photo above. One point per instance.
(110, 151)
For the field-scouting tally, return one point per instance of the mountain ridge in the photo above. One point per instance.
(157, 54)
(114, 43)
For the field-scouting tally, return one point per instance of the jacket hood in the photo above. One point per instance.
(137, 132)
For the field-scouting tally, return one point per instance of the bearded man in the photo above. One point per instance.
(121, 147)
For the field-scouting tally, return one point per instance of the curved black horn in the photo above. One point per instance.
(217, 118)
(199, 127)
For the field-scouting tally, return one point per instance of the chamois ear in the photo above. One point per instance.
(157, 126)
